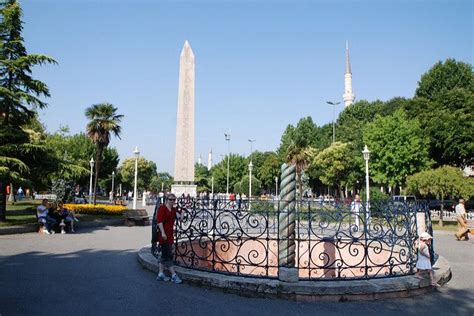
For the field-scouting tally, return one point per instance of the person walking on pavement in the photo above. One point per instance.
(355, 208)
(165, 218)
(463, 231)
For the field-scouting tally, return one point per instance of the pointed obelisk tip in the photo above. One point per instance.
(186, 43)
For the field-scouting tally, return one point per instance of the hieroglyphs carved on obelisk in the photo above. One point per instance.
(184, 154)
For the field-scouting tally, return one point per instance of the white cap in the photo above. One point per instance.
(425, 236)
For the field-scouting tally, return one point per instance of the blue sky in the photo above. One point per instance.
(260, 65)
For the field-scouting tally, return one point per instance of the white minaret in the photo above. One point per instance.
(209, 160)
(184, 155)
(348, 96)
(200, 160)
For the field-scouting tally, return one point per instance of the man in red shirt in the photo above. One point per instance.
(165, 219)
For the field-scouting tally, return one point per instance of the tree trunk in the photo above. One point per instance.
(441, 213)
(300, 183)
(3, 201)
(98, 158)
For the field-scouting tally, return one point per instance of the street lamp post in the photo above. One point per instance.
(366, 153)
(333, 118)
(250, 181)
(212, 186)
(113, 186)
(276, 187)
(135, 193)
(251, 141)
(91, 163)
(227, 138)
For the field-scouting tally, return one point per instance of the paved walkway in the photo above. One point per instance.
(95, 271)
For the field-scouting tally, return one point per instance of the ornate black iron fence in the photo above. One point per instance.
(333, 241)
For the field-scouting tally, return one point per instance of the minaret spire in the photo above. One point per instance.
(209, 160)
(348, 96)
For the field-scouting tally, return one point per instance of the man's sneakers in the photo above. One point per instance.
(175, 279)
(162, 277)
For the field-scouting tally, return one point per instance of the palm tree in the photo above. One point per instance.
(301, 157)
(103, 121)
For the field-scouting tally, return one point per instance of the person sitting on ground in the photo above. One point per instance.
(44, 218)
(165, 219)
(67, 218)
(423, 264)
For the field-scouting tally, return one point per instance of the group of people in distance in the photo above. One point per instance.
(54, 216)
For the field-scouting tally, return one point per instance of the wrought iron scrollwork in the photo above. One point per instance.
(333, 242)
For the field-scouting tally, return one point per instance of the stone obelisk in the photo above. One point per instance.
(184, 154)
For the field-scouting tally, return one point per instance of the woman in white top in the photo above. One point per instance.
(424, 260)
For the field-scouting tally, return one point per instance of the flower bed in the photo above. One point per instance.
(96, 209)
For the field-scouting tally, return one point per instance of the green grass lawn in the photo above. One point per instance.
(23, 212)
(447, 226)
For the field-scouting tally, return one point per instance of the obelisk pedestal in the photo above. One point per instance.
(184, 154)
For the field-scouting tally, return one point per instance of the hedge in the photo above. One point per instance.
(96, 209)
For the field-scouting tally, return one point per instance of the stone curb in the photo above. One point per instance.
(349, 290)
(33, 228)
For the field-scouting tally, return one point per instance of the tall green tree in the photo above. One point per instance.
(450, 128)
(146, 173)
(103, 121)
(335, 163)
(267, 169)
(398, 148)
(202, 177)
(304, 134)
(237, 169)
(242, 187)
(298, 146)
(161, 182)
(20, 95)
(441, 182)
(445, 76)
(301, 158)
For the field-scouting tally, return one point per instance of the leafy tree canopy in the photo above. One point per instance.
(242, 186)
(146, 172)
(442, 182)
(398, 148)
(237, 169)
(20, 96)
(266, 168)
(161, 182)
(445, 76)
(202, 178)
(334, 163)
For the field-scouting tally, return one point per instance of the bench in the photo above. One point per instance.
(121, 202)
(136, 217)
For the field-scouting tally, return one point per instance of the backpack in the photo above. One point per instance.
(155, 249)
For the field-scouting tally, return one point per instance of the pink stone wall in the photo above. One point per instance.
(327, 260)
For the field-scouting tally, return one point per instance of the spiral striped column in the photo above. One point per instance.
(286, 229)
